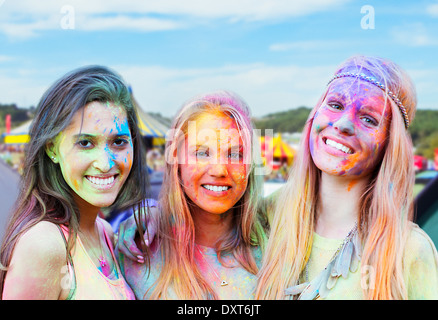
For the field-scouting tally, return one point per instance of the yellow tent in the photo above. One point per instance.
(18, 135)
(282, 150)
(277, 149)
(151, 127)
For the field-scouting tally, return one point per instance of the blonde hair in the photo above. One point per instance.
(385, 207)
(176, 230)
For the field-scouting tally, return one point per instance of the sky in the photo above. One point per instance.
(276, 54)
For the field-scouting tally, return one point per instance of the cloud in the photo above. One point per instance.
(265, 88)
(432, 10)
(26, 18)
(414, 35)
(4, 58)
(307, 45)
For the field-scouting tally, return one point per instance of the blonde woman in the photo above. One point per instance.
(342, 227)
(209, 233)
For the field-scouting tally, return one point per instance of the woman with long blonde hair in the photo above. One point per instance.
(209, 233)
(343, 223)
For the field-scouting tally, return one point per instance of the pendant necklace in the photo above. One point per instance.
(103, 262)
(344, 242)
(223, 282)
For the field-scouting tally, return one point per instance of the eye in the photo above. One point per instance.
(85, 144)
(235, 155)
(202, 153)
(370, 120)
(119, 142)
(335, 105)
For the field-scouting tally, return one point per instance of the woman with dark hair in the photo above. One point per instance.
(85, 153)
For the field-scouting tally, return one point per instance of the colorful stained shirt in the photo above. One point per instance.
(241, 284)
(89, 283)
(420, 263)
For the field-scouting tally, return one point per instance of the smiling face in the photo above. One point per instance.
(95, 154)
(213, 174)
(349, 130)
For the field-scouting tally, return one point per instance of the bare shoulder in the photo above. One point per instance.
(43, 240)
(36, 264)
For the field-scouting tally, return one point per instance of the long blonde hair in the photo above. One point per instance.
(385, 207)
(176, 230)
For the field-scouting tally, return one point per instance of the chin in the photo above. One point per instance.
(102, 203)
(217, 210)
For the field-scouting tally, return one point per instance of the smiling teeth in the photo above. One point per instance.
(338, 146)
(215, 188)
(100, 181)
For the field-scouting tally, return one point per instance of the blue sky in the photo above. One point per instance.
(276, 54)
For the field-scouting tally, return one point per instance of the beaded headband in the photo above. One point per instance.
(378, 84)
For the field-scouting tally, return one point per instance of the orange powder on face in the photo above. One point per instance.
(351, 162)
(351, 185)
(76, 184)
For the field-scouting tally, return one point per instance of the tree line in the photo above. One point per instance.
(424, 128)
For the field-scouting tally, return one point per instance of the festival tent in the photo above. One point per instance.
(282, 150)
(9, 184)
(150, 127)
(277, 150)
(18, 135)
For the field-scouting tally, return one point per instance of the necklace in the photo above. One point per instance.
(223, 282)
(344, 242)
(103, 262)
(345, 259)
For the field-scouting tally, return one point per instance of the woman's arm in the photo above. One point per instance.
(37, 265)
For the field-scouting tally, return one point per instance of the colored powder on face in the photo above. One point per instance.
(351, 185)
(76, 184)
(350, 163)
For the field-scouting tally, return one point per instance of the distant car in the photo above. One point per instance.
(424, 177)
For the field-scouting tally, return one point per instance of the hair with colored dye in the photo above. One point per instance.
(176, 229)
(44, 194)
(385, 207)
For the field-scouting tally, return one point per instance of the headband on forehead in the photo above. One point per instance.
(377, 84)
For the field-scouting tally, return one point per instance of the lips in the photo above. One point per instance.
(339, 146)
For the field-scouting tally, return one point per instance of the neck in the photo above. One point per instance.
(210, 227)
(88, 215)
(338, 205)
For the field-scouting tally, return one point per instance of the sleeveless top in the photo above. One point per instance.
(240, 285)
(86, 281)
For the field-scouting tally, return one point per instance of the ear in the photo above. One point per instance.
(51, 151)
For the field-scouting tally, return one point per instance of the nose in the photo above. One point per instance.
(218, 170)
(344, 124)
(104, 160)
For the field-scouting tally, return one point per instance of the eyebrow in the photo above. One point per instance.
(79, 136)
